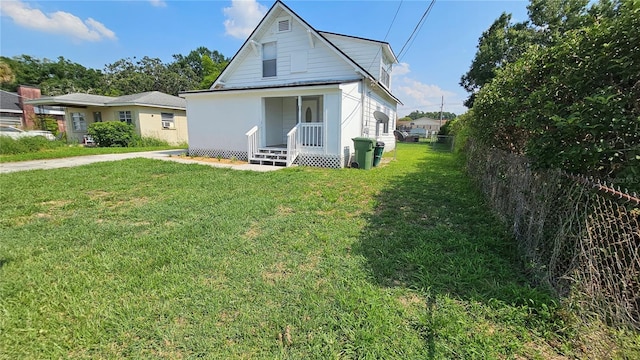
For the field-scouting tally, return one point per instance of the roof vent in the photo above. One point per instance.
(284, 25)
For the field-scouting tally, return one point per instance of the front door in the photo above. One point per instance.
(310, 110)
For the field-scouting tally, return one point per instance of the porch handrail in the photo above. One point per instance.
(293, 145)
(310, 135)
(252, 140)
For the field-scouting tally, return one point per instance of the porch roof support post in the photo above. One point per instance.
(299, 109)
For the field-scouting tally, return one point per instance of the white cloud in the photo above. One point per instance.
(59, 22)
(242, 17)
(158, 3)
(417, 95)
(401, 69)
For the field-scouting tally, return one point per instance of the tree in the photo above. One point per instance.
(505, 42)
(502, 43)
(572, 105)
(6, 74)
(433, 115)
(54, 78)
(202, 66)
(130, 76)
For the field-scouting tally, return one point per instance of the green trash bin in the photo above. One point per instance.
(364, 153)
(377, 153)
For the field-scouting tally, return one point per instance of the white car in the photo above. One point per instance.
(16, 133)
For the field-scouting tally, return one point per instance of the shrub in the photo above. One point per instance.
(573, 105)
(47, 123)
(112, 133)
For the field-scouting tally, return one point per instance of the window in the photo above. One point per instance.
(384, 77)
(125, 116)
(97, 116)
(167, 121)
(78, 121)
(269, 54)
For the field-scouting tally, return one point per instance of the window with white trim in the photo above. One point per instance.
(384, 77)
(125, 116)
(78, 122)
(269, 62)
(167, 121)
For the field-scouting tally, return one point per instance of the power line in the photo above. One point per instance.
(385, 37)
(418, 26)
(393, 21)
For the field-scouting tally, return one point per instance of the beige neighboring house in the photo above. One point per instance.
(153, 114)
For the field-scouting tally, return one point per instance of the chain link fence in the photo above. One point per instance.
(580, 236)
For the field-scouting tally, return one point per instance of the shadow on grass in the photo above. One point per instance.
(432, 232)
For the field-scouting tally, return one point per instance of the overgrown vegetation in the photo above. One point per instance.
(28, 144)
(568, 95)
(402, 261)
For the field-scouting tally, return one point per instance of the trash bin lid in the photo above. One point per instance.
(380, 143)
(363, 139)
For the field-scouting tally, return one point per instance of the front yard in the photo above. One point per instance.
(153, 259)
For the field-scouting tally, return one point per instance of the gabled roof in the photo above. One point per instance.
(150, 99)
(280, 5)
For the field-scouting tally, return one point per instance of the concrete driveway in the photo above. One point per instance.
(166, 155)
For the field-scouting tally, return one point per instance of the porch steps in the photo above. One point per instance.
(270, 156)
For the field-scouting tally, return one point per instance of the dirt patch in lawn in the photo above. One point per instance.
(213, 160)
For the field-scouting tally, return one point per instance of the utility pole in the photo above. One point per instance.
(441, 106)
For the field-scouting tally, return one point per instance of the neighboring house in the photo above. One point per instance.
(15, 112)
(293, 94)
(153, 114)
(427, 124)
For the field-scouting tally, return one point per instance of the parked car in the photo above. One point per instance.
(16, 133)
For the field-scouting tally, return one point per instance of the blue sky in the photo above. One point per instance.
(95, 33)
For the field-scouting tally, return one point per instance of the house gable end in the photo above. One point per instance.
(302, 55)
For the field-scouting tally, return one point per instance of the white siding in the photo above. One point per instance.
(220, 121)
(376, 101)
(365, 53)
(323, 63)
(351, 116)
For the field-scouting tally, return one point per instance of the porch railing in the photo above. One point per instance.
(253, 137)
(293, 147)
(310, 135)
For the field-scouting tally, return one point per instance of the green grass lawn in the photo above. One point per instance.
(74, 150)
(154, 259)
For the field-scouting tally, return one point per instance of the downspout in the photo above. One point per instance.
(364, 90)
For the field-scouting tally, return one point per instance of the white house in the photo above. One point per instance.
(293, 94)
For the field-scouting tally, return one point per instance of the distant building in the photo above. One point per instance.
(15, 112)
(427, 124)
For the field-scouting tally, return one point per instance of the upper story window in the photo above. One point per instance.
(269, 59)
(385, 78)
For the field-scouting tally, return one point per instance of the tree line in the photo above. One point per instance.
(196, 70)
(429, 114)
(562, 88)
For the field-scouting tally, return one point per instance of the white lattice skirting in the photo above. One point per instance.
(215, 153)
(315, 160)
(319, 160)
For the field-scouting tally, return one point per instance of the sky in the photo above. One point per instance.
(97, 33)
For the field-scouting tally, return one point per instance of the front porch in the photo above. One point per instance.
(303, 140)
